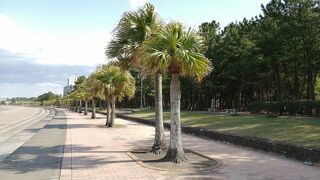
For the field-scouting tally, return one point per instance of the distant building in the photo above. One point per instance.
(69, 87)
(72, 80)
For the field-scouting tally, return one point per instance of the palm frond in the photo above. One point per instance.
(133, 29)
(115, 82)
(175, 50)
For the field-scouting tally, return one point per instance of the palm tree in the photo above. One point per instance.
(94, 90)
(70, 97)
(67, 101)
(133, 29)
(85, 93)
(75, 96)
(80, 94)
(116, 84)
(177, 52)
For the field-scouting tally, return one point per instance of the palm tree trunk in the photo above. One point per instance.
(76, 109)
(85, 107)
(80, 106)
(113, 111)
(108, 111)
(159, 146)
(175, 151)
(141, 94)
(93, 114)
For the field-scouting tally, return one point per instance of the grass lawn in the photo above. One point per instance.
(296, 130)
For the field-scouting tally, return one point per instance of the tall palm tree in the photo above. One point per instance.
(177, 52)
(133, 29)
(116, 84)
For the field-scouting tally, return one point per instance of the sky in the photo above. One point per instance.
(43, 42)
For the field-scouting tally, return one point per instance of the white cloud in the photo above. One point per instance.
(137, 3)
(48, 84)
(85, 48)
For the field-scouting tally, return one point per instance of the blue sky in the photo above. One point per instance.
(59, 38)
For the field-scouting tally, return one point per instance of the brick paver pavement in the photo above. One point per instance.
(92, 152)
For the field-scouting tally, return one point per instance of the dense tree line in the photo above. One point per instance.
(49, 98)
(274, 56)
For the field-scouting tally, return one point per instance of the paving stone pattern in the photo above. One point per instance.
(95, 153)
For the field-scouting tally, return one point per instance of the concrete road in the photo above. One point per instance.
(31, 143)
(15, 123)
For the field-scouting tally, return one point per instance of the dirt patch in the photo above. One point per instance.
(195, 161)
(115, 126)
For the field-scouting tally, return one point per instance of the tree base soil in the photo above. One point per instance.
(115, 126)
(195, 161)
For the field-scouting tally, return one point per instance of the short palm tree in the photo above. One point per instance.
(79, 94)
(72, 101)
(133, 29)
(94, 91)
(67, 101)
(78, 91)
(177, 52)
(85, 92)
(116, 84)
(75, 95)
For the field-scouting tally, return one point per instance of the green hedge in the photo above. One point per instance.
(305, 107)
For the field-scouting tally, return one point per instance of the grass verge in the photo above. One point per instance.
(295, 130)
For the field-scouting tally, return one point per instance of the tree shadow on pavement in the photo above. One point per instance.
(34, 158)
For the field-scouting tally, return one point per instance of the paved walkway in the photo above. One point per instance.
(93, 152)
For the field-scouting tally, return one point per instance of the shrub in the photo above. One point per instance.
(257, 107)
(292, 107)
(235, 114)
(302, 107)
(269, 116)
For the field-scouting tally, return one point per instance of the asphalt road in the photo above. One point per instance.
(31, 142)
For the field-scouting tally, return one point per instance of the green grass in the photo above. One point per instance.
(295, 130)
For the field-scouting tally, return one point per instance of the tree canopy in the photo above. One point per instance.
(48, 96)
(274, 56)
